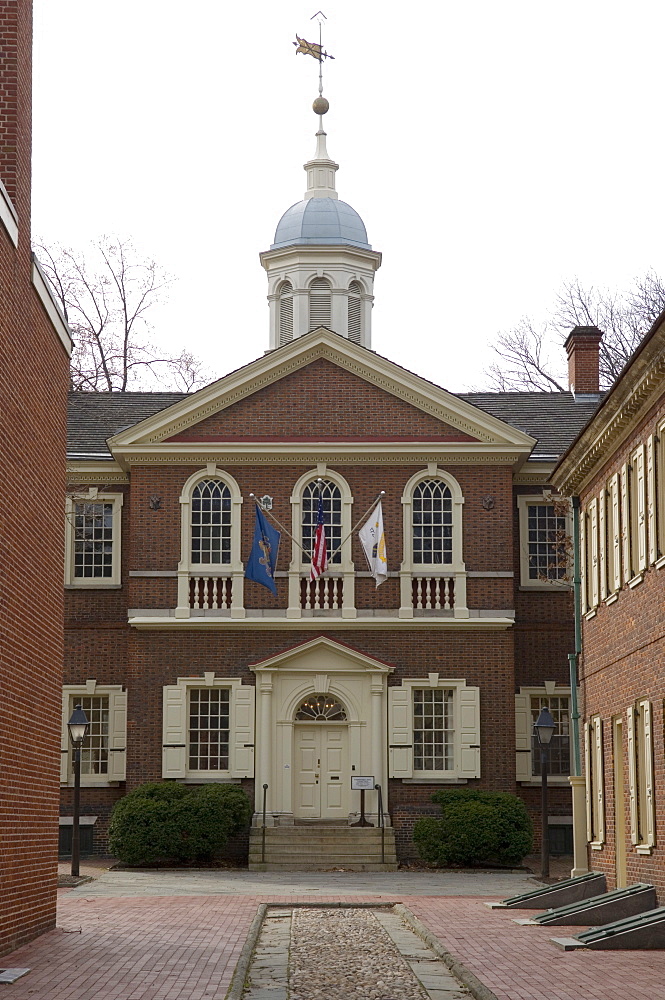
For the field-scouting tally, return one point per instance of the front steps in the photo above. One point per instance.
(322, 848)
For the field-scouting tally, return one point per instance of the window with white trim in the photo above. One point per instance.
(331, 496)
(104, 749)
(93, 526)
(613, 519)
(432, 523)
(211, 523)
(641, 776)
(545, 541)
(528, 705)
(208, 725)
(638, 519)
(595, 781)
(434, 729)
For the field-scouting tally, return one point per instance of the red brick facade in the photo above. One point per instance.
(33, 386)
(485, 649)
(623, 662)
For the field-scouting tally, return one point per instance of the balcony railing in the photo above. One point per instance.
(210, 592)
(324, 594)
(433, 593)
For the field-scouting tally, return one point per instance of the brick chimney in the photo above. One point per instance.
(583, 348)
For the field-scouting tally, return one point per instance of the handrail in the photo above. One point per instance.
(381, 824)
(263, 828)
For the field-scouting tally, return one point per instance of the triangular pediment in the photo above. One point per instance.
(322, 656)
(298, 392)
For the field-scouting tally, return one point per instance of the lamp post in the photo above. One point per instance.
(544, 728)
(78, 727)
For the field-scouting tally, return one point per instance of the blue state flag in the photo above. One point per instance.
(263, 557)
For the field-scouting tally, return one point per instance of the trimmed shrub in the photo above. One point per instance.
(166, 821)
(476, 827)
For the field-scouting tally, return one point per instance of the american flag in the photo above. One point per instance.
(320, 553)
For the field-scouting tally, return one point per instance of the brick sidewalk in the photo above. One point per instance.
(186, 947)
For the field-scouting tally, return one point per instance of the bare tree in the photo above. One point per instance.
(106, 294)
(531, 358)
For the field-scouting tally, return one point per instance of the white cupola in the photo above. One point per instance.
(320, 266)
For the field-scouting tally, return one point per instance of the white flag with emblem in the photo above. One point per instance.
(373, 542)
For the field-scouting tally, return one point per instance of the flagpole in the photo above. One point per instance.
(356, 525)
(279, 525)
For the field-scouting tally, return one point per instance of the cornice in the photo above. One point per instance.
(95, 472)
(613, 423)
(150, 623)
(321, 343)
(389, 453)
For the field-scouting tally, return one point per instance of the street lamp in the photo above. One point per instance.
(78, 726)
(544, 728)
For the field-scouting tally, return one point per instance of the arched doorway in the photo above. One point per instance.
(321, 759)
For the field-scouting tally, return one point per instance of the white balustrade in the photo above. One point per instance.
(433, 593)
(210, 592)
(324, 594)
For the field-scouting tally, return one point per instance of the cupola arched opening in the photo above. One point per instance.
(285, 313)
(354, 307)
(319, 303)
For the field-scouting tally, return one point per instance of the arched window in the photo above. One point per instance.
(285, 313)
(321, 708)
(332, 518)
(319, 303)
(355, 312)
(211, 522)
(432, 523)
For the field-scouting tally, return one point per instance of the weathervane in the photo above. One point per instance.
(317, 52)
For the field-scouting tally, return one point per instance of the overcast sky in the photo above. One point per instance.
(493, 150)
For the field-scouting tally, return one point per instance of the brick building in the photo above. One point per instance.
(193, 673)
(34, 376)
(616, 467)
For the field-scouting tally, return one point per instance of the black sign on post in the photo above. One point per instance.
(361, 783)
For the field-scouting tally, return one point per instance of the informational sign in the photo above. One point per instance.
(359, 782)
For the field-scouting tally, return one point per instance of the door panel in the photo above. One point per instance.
(321, 772)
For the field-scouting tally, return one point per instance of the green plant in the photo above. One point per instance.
(162, 821)
(475, 827)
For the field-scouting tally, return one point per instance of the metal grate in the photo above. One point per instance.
(332, 518)
(433, 729)
(432, 515)
(209, 729)
(211, 522)
(546, 543)
(93, 540)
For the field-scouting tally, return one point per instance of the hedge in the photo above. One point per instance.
(476, 827)
(166, 821)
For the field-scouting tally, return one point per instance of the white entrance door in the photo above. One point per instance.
(321, 772)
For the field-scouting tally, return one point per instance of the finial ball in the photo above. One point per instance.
(320, 106)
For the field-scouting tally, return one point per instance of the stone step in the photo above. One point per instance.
(317, 850)
(321, 866)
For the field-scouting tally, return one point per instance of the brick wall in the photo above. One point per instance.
(33, 385)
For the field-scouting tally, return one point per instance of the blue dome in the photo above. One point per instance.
(320, 221)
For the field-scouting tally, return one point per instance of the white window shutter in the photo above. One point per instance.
(640, 502)
(599, 770)
(602, 543)
(117, 735)
(615, 514)
(242, 731)
(469, 716)
(652, 500)
(593, 552)
(174, 750)
(632, 775)
(400, 732)
(588, 780)
(649, 817)
(625, 525)
(583, 566)
(523, 730)
(65, 745)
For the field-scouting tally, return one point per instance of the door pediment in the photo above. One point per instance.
(320, 657)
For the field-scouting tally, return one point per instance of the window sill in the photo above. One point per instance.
(93, 586)
(612, 598)
(83, 820)
(596, 845)
(220, 780)
(92, 784)
(660, 563)
(552, 779)
(636, 581)
(590, 614)
(644, 849)
(435, 781)
(546, 587)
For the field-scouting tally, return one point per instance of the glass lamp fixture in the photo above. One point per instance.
(78, 726)
(545, 727)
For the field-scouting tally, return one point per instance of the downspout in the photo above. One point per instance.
(577, 782)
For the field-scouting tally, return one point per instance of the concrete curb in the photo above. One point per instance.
(478, 990)
(237, 987)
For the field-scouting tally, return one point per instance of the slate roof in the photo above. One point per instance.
(554, 418)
